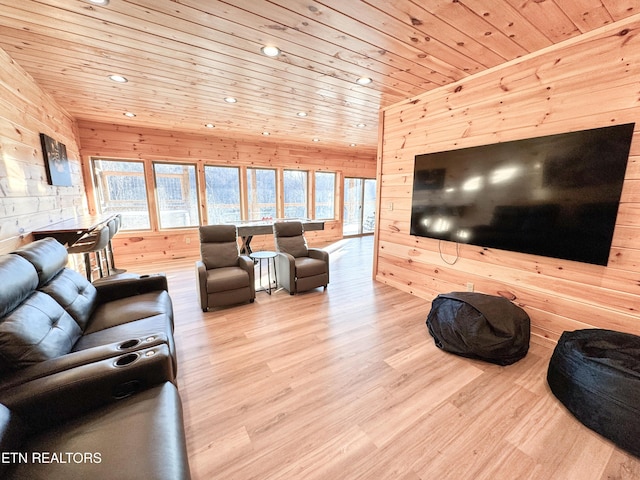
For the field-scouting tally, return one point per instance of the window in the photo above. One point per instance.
(222, 186)
(121, 188)
(261, 193)
(325, 195)
(177, 195)
(295, 194)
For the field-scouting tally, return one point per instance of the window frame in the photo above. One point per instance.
(185, 195)
(248, 193)
(205, 200)
(307, 192)
(101, 189)
(315, 194)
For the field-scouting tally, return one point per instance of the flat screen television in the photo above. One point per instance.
(555, 196)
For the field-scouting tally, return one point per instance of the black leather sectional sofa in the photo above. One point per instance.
(87, 373)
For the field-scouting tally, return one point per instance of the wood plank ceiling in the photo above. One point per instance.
(182, 58)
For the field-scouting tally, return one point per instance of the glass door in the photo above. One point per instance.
(369, 206)
(359, 206)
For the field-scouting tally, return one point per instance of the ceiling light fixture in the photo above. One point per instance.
(361, 125)
(266, 134)
(100, 3)
(364, 81)
(209, 125)
(129, 114)
(302, 114)
(270, 51)
(230, 99)
(316, 139)
(118, 78)
(352, 144)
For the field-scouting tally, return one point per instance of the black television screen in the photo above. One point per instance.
(555, 196)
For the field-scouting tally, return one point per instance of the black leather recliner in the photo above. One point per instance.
(87, 373)
(52, 318)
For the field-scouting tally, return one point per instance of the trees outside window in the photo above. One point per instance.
(222, 187)
(325, 195)
(261, 193)
(295, 193)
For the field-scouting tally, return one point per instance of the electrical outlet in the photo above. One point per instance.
(390, 206)
(469, 287)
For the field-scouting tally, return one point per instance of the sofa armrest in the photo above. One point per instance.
(201, 276)
(319, 254)
(79, 358)
(247, 264)
(286, 269)
(52, 400)
(115, 289)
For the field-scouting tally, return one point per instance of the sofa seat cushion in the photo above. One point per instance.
(227, 278)
(309, 267)
(129, 309)
(39, 329)
(140, 437)
(74, 293)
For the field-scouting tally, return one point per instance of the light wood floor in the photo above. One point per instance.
(347, 384)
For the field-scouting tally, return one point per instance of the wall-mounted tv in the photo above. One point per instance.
(555, 196)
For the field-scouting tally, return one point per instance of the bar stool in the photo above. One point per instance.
(94, 243)
(114, 225)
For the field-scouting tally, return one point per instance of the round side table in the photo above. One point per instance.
(269, 257)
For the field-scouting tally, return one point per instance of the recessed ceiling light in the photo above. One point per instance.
(118, 78)
(316, 139)
(302, 114)
(209, 125)
(230, 100)
(266, 134)
(364, 81)
(129, 114)
(361, 125)
(101, 3)
(352, 144)
(270, 51)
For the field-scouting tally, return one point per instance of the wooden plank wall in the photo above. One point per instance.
(27, 201)
(123, 142)
(588, 82)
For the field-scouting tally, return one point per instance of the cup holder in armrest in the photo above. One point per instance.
(127, 359)
(129, 344)
(139, 343)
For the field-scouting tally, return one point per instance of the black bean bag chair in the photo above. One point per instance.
(596, 374)
(480, 326)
